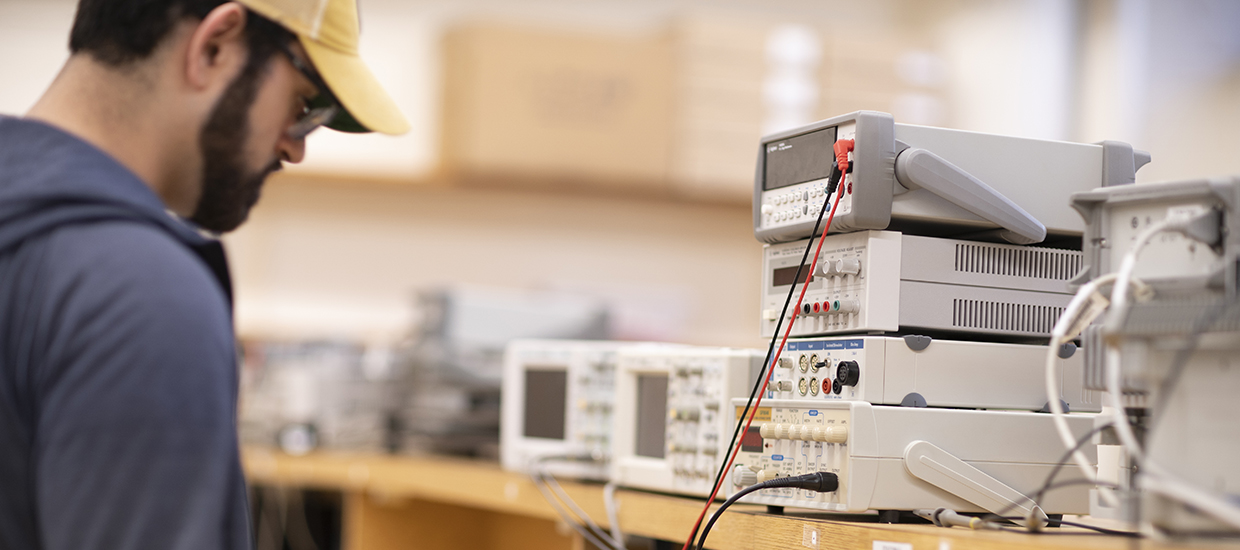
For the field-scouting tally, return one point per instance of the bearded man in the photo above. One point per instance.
(118, 366)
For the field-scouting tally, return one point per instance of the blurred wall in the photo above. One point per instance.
(314, 260)
(338, 244)
(1164, 75)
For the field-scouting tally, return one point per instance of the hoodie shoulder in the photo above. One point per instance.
(111, 285)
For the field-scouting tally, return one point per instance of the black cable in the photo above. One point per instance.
(821, 482)
(543, 478)
(1049, 488)
(833, 181)
(1063, 460)
(1049, 485)
(1103, 530)
(581, 530)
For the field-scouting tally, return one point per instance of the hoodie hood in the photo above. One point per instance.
(50, 178)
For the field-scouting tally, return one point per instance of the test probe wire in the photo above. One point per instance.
(819, 482)
(558, 498)
(842, 148)
(568, 501)
(568, 519)
(767, 364)
(1072, 316)
(1050, 485)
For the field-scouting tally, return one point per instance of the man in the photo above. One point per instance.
(118, 377)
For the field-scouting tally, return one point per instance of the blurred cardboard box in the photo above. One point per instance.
(679, 112)
(719, 67)
(554, 108)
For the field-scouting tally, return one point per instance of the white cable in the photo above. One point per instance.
(565, 517)
(1154, 477)
(572, 505)
(546, 484)
(1119, 306)
(1119, 294)
(613, 510)
(1058, 336)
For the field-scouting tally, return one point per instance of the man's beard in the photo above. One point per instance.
(228, 190)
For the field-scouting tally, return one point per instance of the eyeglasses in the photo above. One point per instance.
(318, 111)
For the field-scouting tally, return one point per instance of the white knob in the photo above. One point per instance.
(767, 430)
(743, 476)
(831, 434)
(826, 267)
(783, 431)
(783, 385)
(765, 475)
(794, 431)
(850, 306)
(806, 433)
(770, 314)
(848, 266)
(768, 208)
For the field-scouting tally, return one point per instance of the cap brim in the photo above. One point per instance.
(368, 106)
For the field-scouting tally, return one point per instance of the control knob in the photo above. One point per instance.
(767, 430)
(831, 434)
(848, 266)
(742, 476)
(784, 431)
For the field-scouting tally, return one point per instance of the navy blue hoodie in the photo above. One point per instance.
(118, 377)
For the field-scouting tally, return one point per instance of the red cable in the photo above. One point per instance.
(753, 411)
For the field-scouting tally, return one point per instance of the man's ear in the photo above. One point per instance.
(217, 47)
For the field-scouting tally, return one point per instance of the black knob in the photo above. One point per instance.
(848, 373)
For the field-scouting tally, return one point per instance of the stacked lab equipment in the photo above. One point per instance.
(1169, 354)
(946, 265)
(450, 402)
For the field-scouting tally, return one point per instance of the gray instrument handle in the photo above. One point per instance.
(921, 169)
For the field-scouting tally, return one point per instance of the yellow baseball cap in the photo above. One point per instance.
(328, 30)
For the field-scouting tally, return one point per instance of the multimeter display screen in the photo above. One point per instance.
(799, 159)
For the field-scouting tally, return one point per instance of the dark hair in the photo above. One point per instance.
(120, 32)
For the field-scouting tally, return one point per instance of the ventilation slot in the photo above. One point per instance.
(1038, 263)
(1005, 316)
